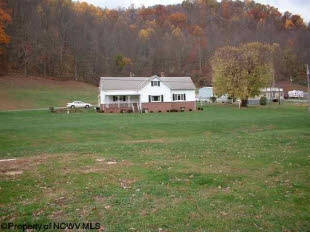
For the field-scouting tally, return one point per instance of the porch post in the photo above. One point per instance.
(139, 103)
(118, 103)
(129, 101)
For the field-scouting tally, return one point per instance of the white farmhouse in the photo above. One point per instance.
(121, 94)
(272, 93)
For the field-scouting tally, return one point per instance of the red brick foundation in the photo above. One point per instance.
(156, 107)
(115, 109)
(186, 105)
(164, 107)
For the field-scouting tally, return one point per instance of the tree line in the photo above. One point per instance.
(76, 40)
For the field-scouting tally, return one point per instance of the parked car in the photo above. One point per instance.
(78, 104)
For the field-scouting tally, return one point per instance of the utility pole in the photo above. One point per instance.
(308, 81)
(270, 88)
(276, 88)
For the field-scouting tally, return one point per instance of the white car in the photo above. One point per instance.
(78, 104)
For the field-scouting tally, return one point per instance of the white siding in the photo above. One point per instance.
(190, 95)
(129, 98)
(147, 90)
(107, 96)
(102, 97)
(144, 92)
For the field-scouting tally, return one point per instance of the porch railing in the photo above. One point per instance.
(121, 105)
(135, 106)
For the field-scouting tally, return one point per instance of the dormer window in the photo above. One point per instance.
(155, 83)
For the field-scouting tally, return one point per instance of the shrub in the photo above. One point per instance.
(263, 100)
(159, 111)
(52, 109)
(213, 99)
(129, 111)
(190, 109)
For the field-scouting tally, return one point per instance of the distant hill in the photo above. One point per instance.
(75, 40)
(18, 92)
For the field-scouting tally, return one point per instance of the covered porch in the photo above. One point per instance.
(122, 103)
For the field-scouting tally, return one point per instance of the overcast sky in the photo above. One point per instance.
(301, 7)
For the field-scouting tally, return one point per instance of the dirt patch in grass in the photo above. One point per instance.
(10, 167)
(158, 140)
(103, 165)
(256, 128)
(18, 166)
(207, 133)
(66, 163)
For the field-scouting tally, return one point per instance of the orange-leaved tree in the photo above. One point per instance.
(5, 19)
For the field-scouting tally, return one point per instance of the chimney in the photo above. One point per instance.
(162, 74)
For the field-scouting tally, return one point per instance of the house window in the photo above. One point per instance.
(155, 83)
(179, 97)
(119, 98)
(156, 98)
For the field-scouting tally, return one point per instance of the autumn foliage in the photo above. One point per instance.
(5, 19)
(75, 40)
(242, 71)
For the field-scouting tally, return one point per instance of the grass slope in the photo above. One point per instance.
(18, 92)
(221, 169)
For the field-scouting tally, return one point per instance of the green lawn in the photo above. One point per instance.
(18, 92)
(221, 169)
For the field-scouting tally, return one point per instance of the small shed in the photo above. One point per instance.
(205, 93)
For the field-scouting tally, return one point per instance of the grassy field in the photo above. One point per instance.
(221, 169)
(18, 92)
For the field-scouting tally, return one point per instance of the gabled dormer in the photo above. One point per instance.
(154, 81)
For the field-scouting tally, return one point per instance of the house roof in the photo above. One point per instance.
(179, 83)
(121, 83)
(136, 83)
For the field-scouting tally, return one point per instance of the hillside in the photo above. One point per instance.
(18, 92)
(74, 40)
